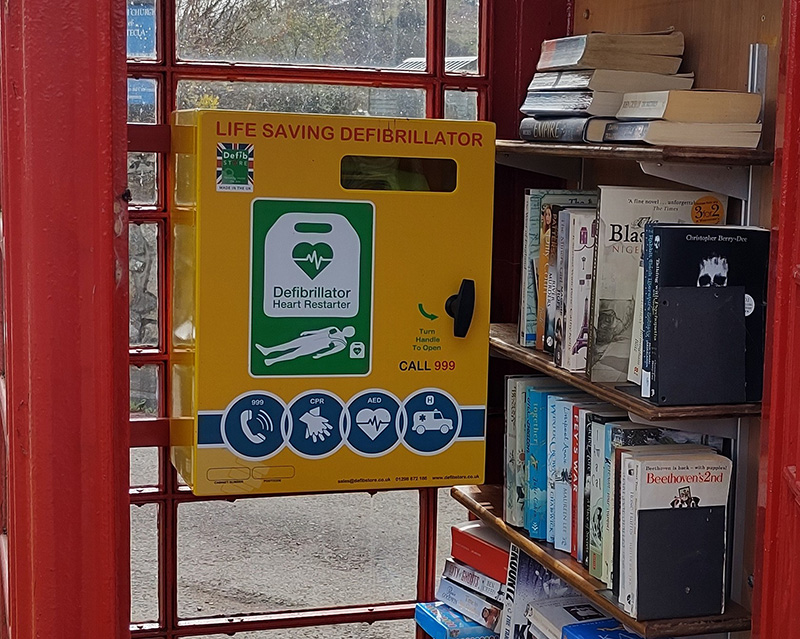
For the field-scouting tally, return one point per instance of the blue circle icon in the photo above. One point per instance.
(431, 421)
(373, 423)
(315, 424)
(251, 426)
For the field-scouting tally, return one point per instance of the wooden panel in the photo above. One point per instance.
(503, 341)
(486, 503)
(718, 36)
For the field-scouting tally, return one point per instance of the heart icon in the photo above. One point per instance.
(312, 258)
(373, 422)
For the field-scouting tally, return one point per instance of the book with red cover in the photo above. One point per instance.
(478, 545)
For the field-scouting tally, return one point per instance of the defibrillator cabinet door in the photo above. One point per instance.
(341, 269)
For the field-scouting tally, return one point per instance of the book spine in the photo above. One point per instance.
(586, 496)
(563, 509)
(507, 625)
(594, 303)
(479, 554)
(552, 284)
(562, 285)
(626, 131)
(545, 230)
(474, 580)
(608, 531)
(595, 520)
(647, 308)
(510, 484)
(627, 523)
(570, 285)
(635, 359)
(469, 604)
(574, 479)
(523, 280)
(532, 229)
(634, 107)
(520, 451)
(553, 129)
(656, 277)
(536, 503)
(552, 426)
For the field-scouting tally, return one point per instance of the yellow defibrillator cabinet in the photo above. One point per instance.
(330, 301)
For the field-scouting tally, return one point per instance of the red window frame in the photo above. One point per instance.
(168, 71)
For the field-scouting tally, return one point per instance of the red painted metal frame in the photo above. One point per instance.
(777, 580)
(65, 251)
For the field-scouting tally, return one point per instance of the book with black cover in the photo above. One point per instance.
(559, 129)
(710, 258)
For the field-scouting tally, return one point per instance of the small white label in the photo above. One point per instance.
(749, 305)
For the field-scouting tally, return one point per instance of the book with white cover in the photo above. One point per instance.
(551, 615)
(578, 292)
(637, 337)
(621, 217)
(675, 574)
(471, 578)
(471, 605)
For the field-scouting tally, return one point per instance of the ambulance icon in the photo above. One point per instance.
(431, 420)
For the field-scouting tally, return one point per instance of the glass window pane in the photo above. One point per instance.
(144, 563)
(144, 467)
(461, 105)
(365, 33)
(143, 284)
(301, 98)
(142, 29)
(144, 390)
(461, 46)
(400, 629)
(142, 100)
(291, 553)
(142, 178)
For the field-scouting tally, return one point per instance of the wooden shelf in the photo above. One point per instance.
(507, 149)
(503, 342)
(486, 503)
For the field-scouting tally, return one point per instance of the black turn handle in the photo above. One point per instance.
(461, 306)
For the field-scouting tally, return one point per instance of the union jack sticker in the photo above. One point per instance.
(235, 167)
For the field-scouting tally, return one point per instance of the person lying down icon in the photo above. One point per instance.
(317, 343)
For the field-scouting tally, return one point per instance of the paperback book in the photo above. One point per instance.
(621, 218)
(471, 605)
(468, 577)
(578, 290)
(609, 80)
(440, 621)
(551, 615)
(477, 545)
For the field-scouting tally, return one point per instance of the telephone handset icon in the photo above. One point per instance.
(263, 420)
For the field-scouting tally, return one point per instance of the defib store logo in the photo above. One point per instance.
(311, 288)
(235, 167)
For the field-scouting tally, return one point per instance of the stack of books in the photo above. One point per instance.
(580, 497)
(581, 81)
(471, 590)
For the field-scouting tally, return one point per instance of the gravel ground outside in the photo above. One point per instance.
(286, 553)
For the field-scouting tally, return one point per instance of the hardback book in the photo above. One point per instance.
(551, 615)
(729, 355)
(698, 134)
(691, 106)
(680, 575)
(471, 605)
(637, 332)
(563, 129)
(536, 462)
(530, 261)
(598, 629)
(609, 80)
(467, 576)
(656, 53)
(528, 584)
(578, 290)
(440, 621)
(551, 203)
(625, 435)
(475, 544)
(596, 420)
(572, 103)
(621, 218)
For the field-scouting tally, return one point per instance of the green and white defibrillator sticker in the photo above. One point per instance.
(311, 288)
